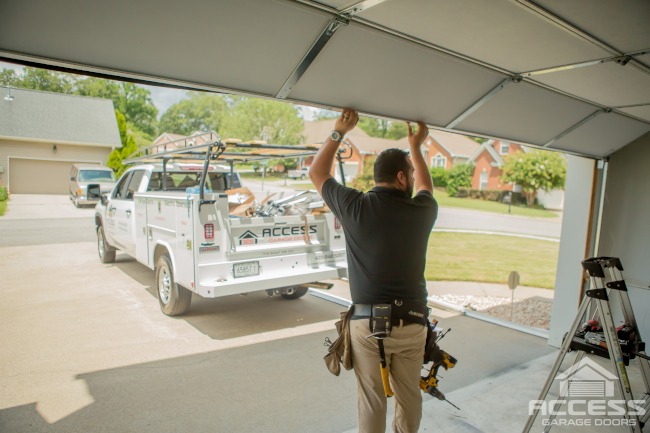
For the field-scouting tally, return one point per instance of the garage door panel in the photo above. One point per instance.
(33, 176)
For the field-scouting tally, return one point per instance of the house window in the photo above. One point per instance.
(484, 180)
(439, 161)
(505, 148)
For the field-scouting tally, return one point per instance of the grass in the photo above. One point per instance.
(3, 207)
(491, 258)
(490, 206)
(468, 203)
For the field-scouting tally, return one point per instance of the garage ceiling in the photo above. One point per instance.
(567, 75)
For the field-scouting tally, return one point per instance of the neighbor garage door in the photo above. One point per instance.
(34, 176)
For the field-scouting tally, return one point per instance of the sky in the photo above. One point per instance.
(165, 97)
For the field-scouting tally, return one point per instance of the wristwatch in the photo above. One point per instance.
(336, 136)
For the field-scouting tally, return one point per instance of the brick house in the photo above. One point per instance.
(488, 160)
(446, 149)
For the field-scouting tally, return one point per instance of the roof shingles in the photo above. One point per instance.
(56, 117)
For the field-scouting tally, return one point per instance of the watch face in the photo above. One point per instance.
(336, 136)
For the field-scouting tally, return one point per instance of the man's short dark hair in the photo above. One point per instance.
(389, 163)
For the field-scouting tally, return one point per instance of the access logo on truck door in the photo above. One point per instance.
(279, 234)
(248, 238)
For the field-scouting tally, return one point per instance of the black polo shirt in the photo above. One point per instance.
(386, 234)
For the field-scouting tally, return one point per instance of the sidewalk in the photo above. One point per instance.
(39, 206)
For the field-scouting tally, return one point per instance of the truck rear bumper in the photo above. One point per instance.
(215, 289)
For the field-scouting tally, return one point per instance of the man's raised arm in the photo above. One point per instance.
(422, 176)
(320, 169)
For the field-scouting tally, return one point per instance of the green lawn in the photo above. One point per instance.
(491, 258)
(3, 207)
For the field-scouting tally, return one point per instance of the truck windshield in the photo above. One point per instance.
(181, 180)
(96, 176)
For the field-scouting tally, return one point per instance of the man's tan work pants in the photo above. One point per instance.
(404, 355)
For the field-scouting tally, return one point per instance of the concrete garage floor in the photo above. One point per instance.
(87, 349)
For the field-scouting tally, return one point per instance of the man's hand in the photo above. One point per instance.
(422, 176)
(320, 169)
(346, 121)
(418, 138)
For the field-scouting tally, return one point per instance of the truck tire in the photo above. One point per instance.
(295, 292)
(302, 176)
(174, 299)
(106, 252)
(75, 201)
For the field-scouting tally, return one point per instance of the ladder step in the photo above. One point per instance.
(578, 343)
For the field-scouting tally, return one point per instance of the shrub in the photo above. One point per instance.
(439, 176)
(4, 194)
(459, 176)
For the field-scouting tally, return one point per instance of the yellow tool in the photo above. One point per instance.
(384, 371)
(429, 383)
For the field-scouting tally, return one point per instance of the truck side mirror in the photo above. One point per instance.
(72, 178)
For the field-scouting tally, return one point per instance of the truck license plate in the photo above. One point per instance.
(246, 269)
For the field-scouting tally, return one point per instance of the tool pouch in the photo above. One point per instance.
(380, 321)
(340, 352)
(431, 349)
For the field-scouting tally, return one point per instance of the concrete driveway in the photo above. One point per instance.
(86, 348)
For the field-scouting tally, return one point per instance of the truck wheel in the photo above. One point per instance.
(106, 252)
(295, 292)
(75, 201)
(173, 298)
(302, 176)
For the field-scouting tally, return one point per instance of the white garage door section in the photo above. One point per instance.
(35, 176)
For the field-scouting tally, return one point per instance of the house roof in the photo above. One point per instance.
(456, 144)
(487, 146)
(55, 117)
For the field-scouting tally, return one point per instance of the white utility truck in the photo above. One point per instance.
(176, 217)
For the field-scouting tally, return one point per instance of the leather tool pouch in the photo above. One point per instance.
(340, 352)
(380, 321)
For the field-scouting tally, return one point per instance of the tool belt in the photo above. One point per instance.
(408, 312)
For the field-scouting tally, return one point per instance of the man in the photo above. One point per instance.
(386, 230)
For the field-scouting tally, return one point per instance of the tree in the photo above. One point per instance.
(200, 112)
(383, 128)
(263, 119)
(39, 79)
(537, 169)
(138, 108)
(117, 156)
(459, 176)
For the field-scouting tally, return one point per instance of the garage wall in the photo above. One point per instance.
(625, 230)
(65, 153)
